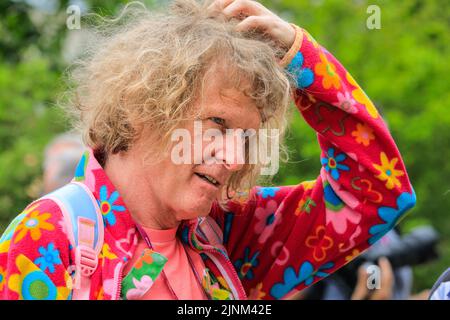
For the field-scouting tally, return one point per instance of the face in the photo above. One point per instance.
(188, 190)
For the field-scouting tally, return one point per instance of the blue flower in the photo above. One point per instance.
(332, 201)
(303, 76)
(305, 275)
(267, 192)
(244, 266)
(390, 216)
(332, 163)
(49, 257)
(107, 206)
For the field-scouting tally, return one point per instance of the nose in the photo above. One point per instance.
(231, 153)
(233, 166)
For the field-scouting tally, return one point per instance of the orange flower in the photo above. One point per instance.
(33, 223)
(388, 172)
(146, 257)
(320, 243)
(328, 71)
(362, 98)
(352, 255)
(363, 134)
(256, 293)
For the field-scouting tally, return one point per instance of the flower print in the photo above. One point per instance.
(362, 98)
(304, 77)
(107, 206)
(5, 239)
(256, 293)
(140, 288)
(291, 279)
(31, 283)
(100, 294)
(267, 192)
(33, 223)
(327, 70)
(332, 163)
(267, 219)
(390, 216)
(308, 185)
(49, 257)
(337, 213)
(244, 266)
(305, 205)
(388, 172)
(2, 278)
(346, 102)
(146, 258)
(363, 134)
(320, 243)
(366, 190)
(352, 255)
(107, 253)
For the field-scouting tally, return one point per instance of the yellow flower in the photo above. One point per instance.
(31, 283)
(362, 98)
(106, 252)
(223, 283)
(308, 185)
(256, 293)
(388, 172)
(363, 134)
(328, 71)
(33, 223)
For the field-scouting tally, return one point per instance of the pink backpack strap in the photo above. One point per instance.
(85, 229)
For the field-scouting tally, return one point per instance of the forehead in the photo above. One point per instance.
(221, 99)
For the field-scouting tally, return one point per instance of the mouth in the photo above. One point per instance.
(208, 179)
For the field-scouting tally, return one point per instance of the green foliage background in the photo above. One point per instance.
(403, 67)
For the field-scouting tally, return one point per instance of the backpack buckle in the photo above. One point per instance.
(86, 260)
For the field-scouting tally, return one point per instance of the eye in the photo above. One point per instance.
(219, 121)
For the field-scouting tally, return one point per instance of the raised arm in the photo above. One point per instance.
(297, 235)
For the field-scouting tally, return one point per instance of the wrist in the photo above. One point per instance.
(295, 47)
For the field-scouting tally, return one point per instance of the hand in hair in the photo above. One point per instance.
(254, 16)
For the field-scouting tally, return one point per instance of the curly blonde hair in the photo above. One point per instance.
(146, 68)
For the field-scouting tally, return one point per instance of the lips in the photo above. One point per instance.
(208, 178)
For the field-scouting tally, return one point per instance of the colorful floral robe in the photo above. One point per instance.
(274, 243)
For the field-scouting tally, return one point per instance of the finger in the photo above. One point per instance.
(255, 22)
(217, 6)
(387, 280)
(242, 7)
(361, 291)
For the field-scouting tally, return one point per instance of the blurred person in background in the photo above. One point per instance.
(61, 157)
(186, 231)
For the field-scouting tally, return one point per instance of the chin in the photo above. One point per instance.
(198, 209)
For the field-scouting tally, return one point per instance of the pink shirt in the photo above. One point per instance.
(178, 270)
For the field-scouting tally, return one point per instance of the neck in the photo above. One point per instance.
(142, 202)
